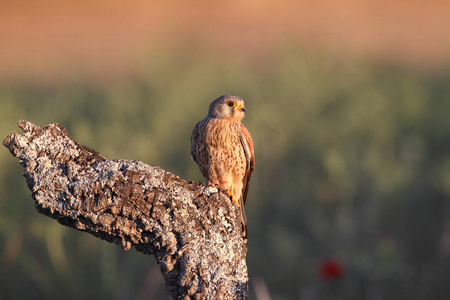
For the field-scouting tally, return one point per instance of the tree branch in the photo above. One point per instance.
(192, 229)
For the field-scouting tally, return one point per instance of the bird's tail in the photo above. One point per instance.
(243, 219)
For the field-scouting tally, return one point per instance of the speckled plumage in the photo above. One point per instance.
(223, 149)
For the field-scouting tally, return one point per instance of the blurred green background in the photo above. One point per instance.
(352, 164)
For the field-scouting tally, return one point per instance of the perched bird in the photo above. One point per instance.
(223, 149)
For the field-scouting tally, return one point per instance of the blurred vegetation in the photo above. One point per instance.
(353, 165)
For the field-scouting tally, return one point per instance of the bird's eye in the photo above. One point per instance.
(231, 104)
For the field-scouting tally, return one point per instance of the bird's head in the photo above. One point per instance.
(227, 107)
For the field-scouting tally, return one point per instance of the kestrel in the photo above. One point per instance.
(223, 149)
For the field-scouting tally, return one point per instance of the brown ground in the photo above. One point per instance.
(52, 38)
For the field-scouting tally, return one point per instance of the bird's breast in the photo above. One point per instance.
(222, 134)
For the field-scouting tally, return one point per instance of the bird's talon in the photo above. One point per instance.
(230, 193)
(213, 184)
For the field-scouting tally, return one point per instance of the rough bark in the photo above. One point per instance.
(192, 229)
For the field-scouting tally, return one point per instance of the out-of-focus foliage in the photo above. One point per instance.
(353, 166)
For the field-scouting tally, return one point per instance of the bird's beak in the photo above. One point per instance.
(243, 109)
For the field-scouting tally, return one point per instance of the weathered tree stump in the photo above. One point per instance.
(192, 229)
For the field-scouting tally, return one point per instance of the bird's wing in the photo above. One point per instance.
(247, 145)
(194, 141)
